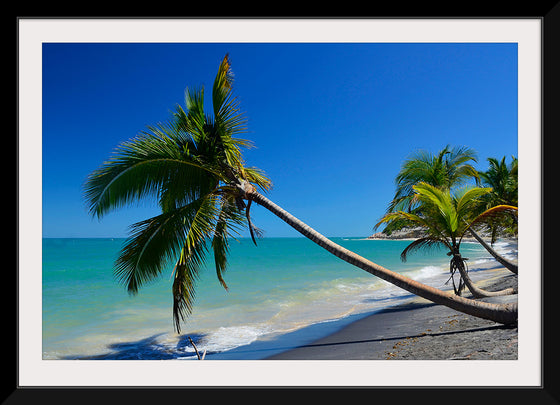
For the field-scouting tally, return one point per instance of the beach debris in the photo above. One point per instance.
(409, 340)
(196, 350)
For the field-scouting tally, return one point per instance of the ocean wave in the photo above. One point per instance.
(283, 289)
(429, 272)
(230, 337)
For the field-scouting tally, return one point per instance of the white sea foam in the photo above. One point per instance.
(227, 338)
(485, 260)
(428, 272)
(324, 302)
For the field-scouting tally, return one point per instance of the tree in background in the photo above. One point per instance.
(450, 167)
(445, 218)
(503, 179)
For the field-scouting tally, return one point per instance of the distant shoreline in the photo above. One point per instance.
(413, 234)
(403, 234)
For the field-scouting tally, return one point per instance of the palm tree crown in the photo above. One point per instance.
(448, 168)
(193, 166)
(446, 217)
(503, 180)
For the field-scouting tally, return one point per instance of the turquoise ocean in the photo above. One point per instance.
(282, 293)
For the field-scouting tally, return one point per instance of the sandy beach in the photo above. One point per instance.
(420, 330)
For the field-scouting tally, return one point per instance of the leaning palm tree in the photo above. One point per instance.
(493, 218)
(193, 166)
(446, 217)
(503, 181)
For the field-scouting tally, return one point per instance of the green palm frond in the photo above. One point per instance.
(449, 168)
(442, 215)
(426, 242)
(220, 247)
(224, 104)
(497, 219)
(432, 195)
(192, 258)
(415, 169)
(406, 218)
(230, 121)
(152, 244)
(142, 168)
(186, 275)
(229, 223)
(494, 212)
(258, 177)
(155, 242)
(503, 180)
(468, 200)
(193, 120)
(441, 200)
(458, 167)
(193, 166)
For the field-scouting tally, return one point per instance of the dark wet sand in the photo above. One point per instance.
(418, 330)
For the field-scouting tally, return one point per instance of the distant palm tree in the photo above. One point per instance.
(193, 166)
(503, 180)
(448, 168)
(446, 217)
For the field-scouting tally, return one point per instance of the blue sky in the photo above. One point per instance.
(331, 123)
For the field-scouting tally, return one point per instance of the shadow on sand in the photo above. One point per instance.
(149, 348)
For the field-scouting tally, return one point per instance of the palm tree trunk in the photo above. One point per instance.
(507, 264)
(477, 292)
(501, 313)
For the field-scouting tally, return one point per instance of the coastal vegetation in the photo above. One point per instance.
(448, 170)
(193, 165)
(445, 218)
(502, 178)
